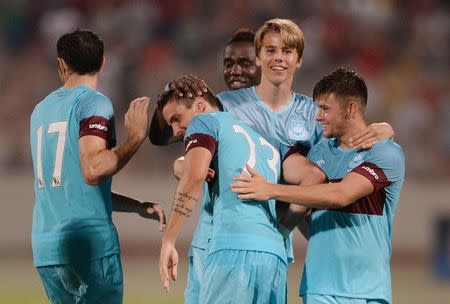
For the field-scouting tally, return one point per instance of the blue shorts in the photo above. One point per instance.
(241, 276)
(310, 298)
(197, 258)
(97, 281)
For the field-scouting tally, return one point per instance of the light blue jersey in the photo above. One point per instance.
(349, 249)
(71, 219)
(238, 225)
(204, 227)
(294, 129)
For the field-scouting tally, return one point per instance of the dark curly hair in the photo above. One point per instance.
(344, 83)
(82, 50)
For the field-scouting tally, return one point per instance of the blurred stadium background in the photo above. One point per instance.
(400, 47)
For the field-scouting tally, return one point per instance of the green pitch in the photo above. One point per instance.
(19, 284)
(37, 297)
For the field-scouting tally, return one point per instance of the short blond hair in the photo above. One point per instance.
(290, 32)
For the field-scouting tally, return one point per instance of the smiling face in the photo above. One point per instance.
(178, 116)
(332, 115)
(239, 66)
(278, 61)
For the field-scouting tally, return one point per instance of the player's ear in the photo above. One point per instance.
(258, 61)
(352, 108)
(299, 62)
(62, 68)
(199, 104)
(103, 64)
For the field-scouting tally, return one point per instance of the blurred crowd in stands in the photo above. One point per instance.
(401, 47)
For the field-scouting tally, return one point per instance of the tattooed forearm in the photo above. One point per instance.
(185, 197)
(182, 211)
(181, 198)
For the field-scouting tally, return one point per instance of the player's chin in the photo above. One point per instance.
(236, 85)
(328, 134)
(278, 80)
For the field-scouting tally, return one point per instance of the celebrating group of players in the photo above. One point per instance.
(268, 159)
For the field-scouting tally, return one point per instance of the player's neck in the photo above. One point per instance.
(352, 128)
(275, 97)
(75, 80)
(210, 108)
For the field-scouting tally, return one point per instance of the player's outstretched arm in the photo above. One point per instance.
(98, 161)
(332, 195)
(189, 85)
(149, 210)
(196, 164)
(371, 135)
(298, 170)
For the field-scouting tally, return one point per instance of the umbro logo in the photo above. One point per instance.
(98, 126)
(193, 141)
(371, 171)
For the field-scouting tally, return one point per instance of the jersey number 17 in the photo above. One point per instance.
(59, 127)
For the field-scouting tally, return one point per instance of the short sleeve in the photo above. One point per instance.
(383, 164)
(96, 116)
(298, 148)
(202, 131)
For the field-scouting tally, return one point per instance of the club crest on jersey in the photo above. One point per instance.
(320, 163)
(356, 161)
(297, 130)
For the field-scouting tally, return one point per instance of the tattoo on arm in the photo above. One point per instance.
(181, 198)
